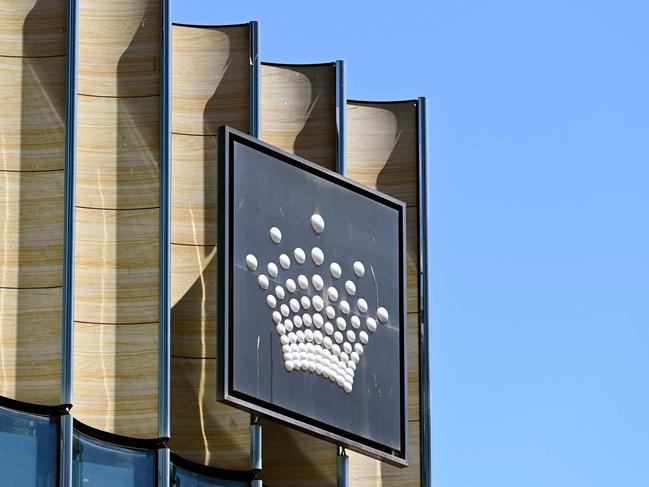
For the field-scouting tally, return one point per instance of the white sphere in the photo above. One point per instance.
(317, 336)
(332, 292)
(318, 303)
(341, 324)
(330, 312)
(306, 302)
(338, 337)
(358, 348)
(272, 269)
(317, 255)
(299, 255)
(344, 357)
(290, 285)
(301, 346)
(294, 347)
(297, 319)
(335, 349)
(318, 369)
(277, 317)
(284, 341)
(317, 223)
(326, 341)
(382, 314)
(302, 281)
(297, 364)
(275, 235)
(300, 336)
(350, 287)
(284, 261)
(292, 337)
(251, 262)
(284, 309)
(351, 336)
(363, 337)
(347, 388)
(361, 304)
(355, 321)
(289, 365)
(347, 347)
(308, 334)
(371, 324)
(271, 301)
(355, 358)
(295, 305)
(318, 320)
(344, 307)
(288, 324)
(281, 329)
(359, 269)
(335, 270)
(328, 328)
(306, 319)
(317, 282)
(262, 280)
(279, 292)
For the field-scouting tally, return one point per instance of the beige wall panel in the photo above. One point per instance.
(412, 259)
(117, 266)
(31, 225)
(116, 378)
(382, 147)
(210, 79)
(118, 150)
(119, 47)
(33, 27)
(203, 430)
(193, 291)
(30, 345)
(413, 366)
(32, 120)
(295, 459)
(298, 110)
(366, 472)
(194, 196)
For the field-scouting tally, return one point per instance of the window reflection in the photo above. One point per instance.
(28, 449)
(100, 464)
(181, 477)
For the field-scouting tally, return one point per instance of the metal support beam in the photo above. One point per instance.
(255, 444)
(341, 119)
(255, 81)
(164, 469)
(65, 451)
(342, 468)
(424, 325)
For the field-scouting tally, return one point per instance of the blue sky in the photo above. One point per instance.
(539, 242)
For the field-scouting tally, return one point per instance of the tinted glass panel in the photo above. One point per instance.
(181, 477)
(28, 449)
(101, 464)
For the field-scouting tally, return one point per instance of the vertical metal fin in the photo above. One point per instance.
(255, 81)
(341, 119)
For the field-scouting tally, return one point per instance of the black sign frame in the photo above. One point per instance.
(226, 392)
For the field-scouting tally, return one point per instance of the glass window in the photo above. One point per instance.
(101, 464)
(28, 449)
(181, 477)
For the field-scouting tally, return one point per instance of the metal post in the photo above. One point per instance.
(164, 467)
(255, 450)
(341, 119)
(65, 450)
(342, 467)
(255, 81)
(424, 325)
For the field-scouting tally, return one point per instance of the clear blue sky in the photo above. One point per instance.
(539, 196)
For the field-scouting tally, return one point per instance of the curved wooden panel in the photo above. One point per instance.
(119, 47)
(298, 110)
(31, 226)
(210, 78)
(30, 345)
(118, 152)
(412, 258)
(117, 266)
(193, 301)
(33, 27)
(203, 430)
(382, 147)
(32, 124)
(116, 378)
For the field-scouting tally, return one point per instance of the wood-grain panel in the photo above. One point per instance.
(413, 366)
(412, 258)
(366, 472)
(203, 430)
(117, 266)
(116, 377)
(382, 147)
(210, 78)
(32, 120)
(295, 459)
(194, 192)
(33, 27)
(298, 110)
(193, 292)
(30, 345)
(118, 151)
(119, 47)
(31, 226)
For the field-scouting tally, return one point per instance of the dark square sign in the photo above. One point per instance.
(312, 328)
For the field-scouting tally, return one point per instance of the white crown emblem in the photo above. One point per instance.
(322, 330)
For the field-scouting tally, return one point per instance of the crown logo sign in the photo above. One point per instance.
(322, 329)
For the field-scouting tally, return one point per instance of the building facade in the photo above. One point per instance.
(108, 214)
